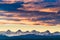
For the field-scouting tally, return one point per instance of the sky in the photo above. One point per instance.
(31, 13)
(15, 27)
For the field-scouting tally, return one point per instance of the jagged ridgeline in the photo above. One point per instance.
(33, 32)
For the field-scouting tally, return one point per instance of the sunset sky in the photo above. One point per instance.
(30, 15)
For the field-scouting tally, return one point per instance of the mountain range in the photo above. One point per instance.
(33, 35)
(19, 33)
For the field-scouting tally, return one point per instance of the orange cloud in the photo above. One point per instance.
(31, 14)
(56, 9)
(34, 7)
(10, 1)
(16, 18)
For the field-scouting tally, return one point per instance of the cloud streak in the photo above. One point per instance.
(30, 13)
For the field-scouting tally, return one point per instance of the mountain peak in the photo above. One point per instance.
(19, 31)
(8, 31)
(47, 31)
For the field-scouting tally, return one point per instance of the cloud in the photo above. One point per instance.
(32, 1)
(30, 14)
(14, 1)
(30, 18)
(10, 1)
